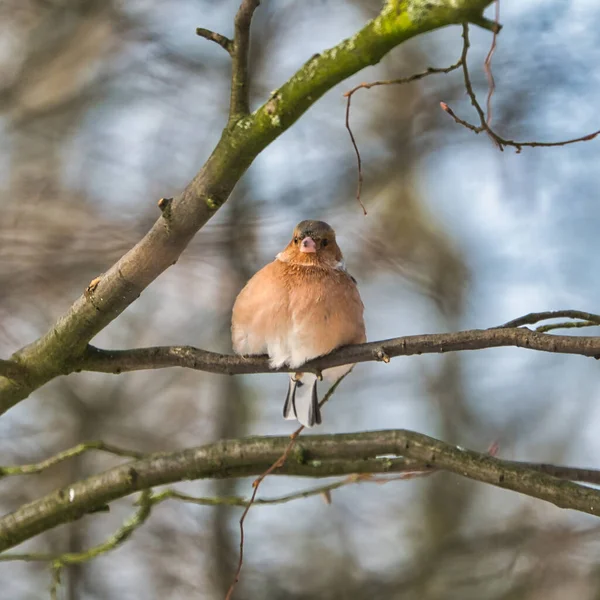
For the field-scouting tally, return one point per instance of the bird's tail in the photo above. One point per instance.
(302, 402)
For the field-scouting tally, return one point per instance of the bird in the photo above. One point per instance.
(302, 305)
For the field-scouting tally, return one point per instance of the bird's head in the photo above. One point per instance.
(313, 243)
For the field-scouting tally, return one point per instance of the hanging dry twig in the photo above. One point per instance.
(367, 86)
(256, 484)
(484, 126)
(487, 65)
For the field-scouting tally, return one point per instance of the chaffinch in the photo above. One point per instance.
(302, 305)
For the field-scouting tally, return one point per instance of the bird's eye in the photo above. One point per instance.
(295, 240)
(324, 242)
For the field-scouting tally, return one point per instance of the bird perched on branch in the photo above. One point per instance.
(302, 305)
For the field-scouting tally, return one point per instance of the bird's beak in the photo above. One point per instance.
(308, 245)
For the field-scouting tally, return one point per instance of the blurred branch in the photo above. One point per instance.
(315, 456)
(145, 503)
(484, 125)
(60, 348)
(71, 558)
(65, 455)
(160, 357)
(10, 369)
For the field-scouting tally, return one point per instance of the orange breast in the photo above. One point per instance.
(295, 313)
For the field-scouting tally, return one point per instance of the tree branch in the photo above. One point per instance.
(212, 36)
(10, 369)
(66, 455)
(314, 456)
(239, 105)
(367, 86)
(55, 353)
(536, 317)
(160, 357)
(484, 124)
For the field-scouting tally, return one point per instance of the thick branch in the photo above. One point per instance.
(110, 294)
(10, 369)
(120, 361)
(314, 456)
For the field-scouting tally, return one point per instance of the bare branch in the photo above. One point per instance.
(314, 456)
(65, 455)
(160, 357)
(566, 325)
(58, 562)
(145, 502)
(484, 126)
(536, 317)
(212, 36)
(405, 471)
(487, 65)
(240, 89)
(172, 494)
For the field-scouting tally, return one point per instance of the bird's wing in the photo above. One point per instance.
(260, 318)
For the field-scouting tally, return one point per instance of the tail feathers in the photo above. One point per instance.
(302, 402)
(289, 407)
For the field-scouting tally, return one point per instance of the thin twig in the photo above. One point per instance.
(358, 158)
(498, 140)
(55, 581)
(256, 484)
(566, 325)
(536, 317)
(65, 455)
(71, 558)
(172, 494)
(487, 65)
(367, 86)
(212, 36)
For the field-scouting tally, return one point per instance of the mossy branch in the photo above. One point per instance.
(59, 349)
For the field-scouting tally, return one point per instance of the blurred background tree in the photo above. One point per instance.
(108, 105)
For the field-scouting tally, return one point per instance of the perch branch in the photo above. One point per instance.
(57, 351)
(160, 357)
